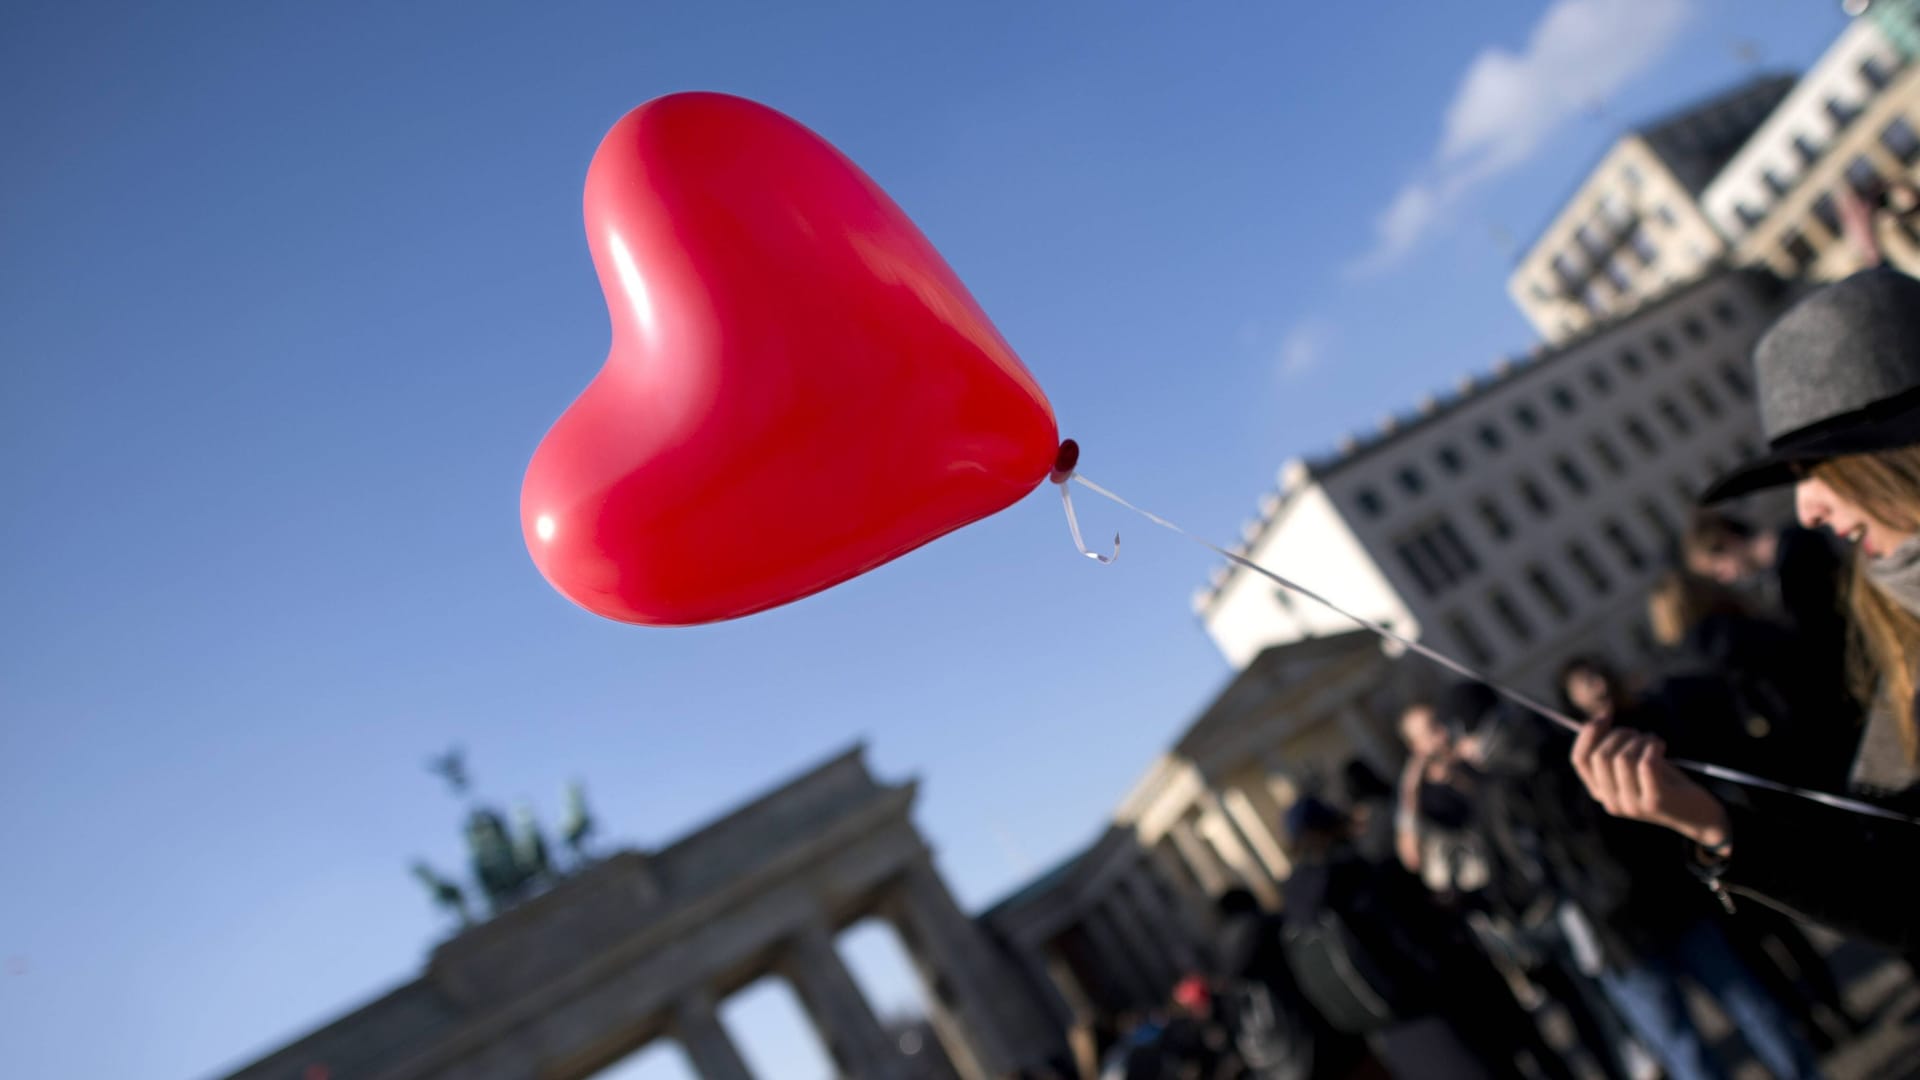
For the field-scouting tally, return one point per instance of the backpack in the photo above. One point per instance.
(1339, 976)
(1273, 1041)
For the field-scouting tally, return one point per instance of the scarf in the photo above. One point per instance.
(1881, 767)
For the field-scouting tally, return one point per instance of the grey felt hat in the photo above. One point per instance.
(1838, 374)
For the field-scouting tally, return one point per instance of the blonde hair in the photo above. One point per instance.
(1679, 601)
(1886, 486)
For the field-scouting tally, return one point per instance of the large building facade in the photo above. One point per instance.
(1521, 520)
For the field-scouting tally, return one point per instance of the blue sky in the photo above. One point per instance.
(289, 293)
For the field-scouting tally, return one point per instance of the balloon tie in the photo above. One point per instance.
(1063, 465)
(1518, 697)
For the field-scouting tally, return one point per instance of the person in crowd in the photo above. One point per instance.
(1377, 956)
(1370, 803)
(1839, 385)
(1195, 1044)
(1526, 900)
(1784, 734)
(1651, 923)
(1782, 715)
(1794, 579)
(1276, 1031)
(1433, 833)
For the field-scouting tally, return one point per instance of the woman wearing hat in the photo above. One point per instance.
(1839, 389)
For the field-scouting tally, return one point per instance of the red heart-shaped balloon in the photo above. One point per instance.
(799, 389)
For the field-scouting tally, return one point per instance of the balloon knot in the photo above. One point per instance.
(1064, 462)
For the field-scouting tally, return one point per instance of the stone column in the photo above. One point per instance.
(1176, 940)
(840, 1013)
(1218, 828)
(1254, 800)
(709, 1048)
(971, 994)
(1200, 858)
(1116, 960)
(1143, 942)
(1196, 907)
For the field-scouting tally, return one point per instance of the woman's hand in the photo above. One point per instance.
(1628, 774)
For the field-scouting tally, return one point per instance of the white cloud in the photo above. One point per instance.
(1304, 347)
(1508, 104)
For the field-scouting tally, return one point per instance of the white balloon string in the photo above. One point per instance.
(1518, 697)
(1073, 526)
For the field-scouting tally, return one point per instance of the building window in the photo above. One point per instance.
(1669, 410)
(1535, 497)
(1874, 73)
(1562, 399)
(1589, 240)
(1641, 438)
(1665, 214)
(1800, 254)
(1663, 346)
(1436, 557)
(1411, 481)
(1566, 271)
(1829, 215)
(1490, 437)
(1609, 457)
(1695, 330)
(1476, 647)
(1747, 216)
(1494, 518)
(1804, 146)
(1548, 591)
(1900, 141)
(1841, 113)
(1450, 460)
(1509, 615)
(1775, 186)
(1623, 545)
(1658, 524)
(1725, 313)
(1570, 473)
(1596, 304)
(1588, 569)
(1630, 361)
(1369, 502)
(1419, 566)
(1735, 380)
(1863, 177)
(1703, 398)
(1528, 420)
(1458, 557)
(1643, 248)
(1599, 380)
(1630, 176)
(1618, 276)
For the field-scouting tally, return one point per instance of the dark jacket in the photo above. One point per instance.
(1626, 877)
(1782, 710)
(1858, 875)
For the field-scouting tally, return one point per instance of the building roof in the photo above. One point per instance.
(1697, 141)
(1269, 674)
(1736, 113)
(1437, 408)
